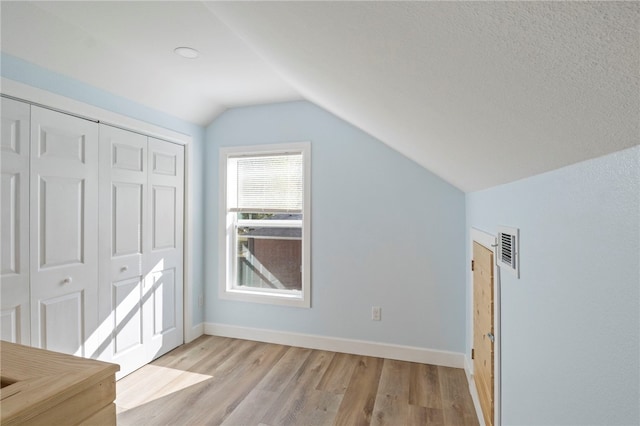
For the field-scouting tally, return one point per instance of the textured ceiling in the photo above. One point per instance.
(480, 93)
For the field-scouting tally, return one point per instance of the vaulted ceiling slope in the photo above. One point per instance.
(480, 93)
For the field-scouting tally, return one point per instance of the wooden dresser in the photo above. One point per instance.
(41, 387)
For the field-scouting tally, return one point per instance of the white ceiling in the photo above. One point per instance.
(480, 93)
(126, 48)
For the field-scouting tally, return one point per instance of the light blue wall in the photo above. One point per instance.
(385, 232)
(24, 72)
(571, 323)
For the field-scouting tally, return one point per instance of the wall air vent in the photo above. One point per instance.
(508, 251)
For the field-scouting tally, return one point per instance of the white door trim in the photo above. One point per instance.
(64, 104)
(488, 241)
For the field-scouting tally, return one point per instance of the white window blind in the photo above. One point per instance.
(269, 183)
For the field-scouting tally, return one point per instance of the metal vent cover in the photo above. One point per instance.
(508, 239)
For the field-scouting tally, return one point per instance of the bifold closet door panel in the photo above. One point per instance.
(123, 228)
(14, 219)
(164, 261)
(141, 222)
(64, 233)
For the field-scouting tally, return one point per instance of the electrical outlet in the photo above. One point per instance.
(376, 313)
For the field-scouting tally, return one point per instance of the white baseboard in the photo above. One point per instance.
(473, 391)
(195, 332)
(335, 344)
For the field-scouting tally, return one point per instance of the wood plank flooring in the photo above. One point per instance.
(222, 381)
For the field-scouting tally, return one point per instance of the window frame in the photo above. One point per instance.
(226, 288)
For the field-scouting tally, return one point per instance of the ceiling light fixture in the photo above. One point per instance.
(186, 52)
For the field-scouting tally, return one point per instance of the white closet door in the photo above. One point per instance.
(164, 261)
(141, 220)
(14, 219)
(123, 228)
(64, 230)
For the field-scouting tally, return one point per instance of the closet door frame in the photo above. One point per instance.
(33, 95)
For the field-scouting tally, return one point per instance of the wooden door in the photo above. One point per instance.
(64, 230)
(483, 340)
(14, 220)
(123, 228)
(163, 263)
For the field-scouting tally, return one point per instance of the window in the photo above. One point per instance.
(264, 224)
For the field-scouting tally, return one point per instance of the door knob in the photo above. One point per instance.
(491, 337)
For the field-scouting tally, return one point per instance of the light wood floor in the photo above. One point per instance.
(216, 380)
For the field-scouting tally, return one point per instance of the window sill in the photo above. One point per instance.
(266, 298)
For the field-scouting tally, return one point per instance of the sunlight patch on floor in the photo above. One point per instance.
(152, 382)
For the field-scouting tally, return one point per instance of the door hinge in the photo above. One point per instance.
(473, 354)
(472, 265)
